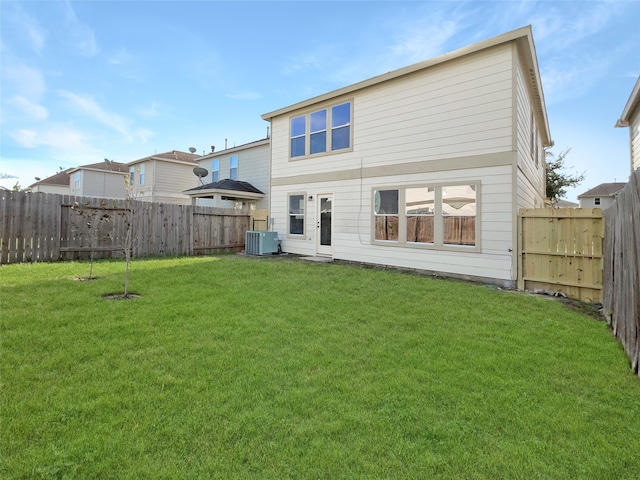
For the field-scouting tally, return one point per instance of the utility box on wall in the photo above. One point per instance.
(261, 243)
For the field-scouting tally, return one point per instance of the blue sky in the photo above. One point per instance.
(88, 80)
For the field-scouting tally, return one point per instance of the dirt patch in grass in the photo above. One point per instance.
(121, 296)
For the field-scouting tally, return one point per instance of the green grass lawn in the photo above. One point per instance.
(236, 367)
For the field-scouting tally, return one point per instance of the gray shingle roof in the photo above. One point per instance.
(603, 190)
(227, 184)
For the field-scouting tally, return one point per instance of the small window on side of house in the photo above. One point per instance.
(76, 185)
(596, 201)
(132, 175)
(233, 167)
(142, 174)
(215, 170)
(296, 214)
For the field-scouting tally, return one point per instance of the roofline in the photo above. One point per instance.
(160, 159)
(523, 34)
(633, 101)
(230, 193)
(244, 146)
(96, 170)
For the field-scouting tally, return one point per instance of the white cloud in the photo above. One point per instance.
(81, 36)
(58, 137)
(26, 81)
(32, 110)
(89, 107)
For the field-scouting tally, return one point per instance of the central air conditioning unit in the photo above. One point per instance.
(260, 243)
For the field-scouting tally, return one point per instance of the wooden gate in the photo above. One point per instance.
(560, 251)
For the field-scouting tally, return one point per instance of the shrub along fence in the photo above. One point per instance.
(621, 304)
(38, 227)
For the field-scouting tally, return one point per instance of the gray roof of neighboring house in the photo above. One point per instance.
(60, 178)
(603, 190)
(227, 184)
(173, 155)
(106, 165)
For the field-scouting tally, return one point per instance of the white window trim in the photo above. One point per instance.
(297, 236)
(438, 225)
(328, 129)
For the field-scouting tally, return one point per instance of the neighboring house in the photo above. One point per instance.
(601, 196)
(424, 167)
(162, 178)
(631, 118)
(236, 177)
(58, 183)
(561, 203)
(104, 179)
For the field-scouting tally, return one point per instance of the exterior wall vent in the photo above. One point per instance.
(260, 243)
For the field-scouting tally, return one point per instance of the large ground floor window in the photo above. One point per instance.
(439, 216)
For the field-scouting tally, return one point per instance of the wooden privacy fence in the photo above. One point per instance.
(561, 251)
(37, 227)
(621, 303)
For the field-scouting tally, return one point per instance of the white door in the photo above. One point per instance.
(324, 225)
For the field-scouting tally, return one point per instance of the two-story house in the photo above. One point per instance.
(103, 179)
(424, 167)
(162, 177)
(58, 183)
(631, 118)
(235, 177)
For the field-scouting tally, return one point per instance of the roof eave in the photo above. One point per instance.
(632, 103)
(523, 32)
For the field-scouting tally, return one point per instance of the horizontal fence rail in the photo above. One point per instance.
(40, 227)
(561, 251)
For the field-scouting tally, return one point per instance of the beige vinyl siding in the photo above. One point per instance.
(171, 179)
(634, 133)
(100, 183)
(530, 177)
(164, 181)
(353, 217)
(459, 108)
(59, 189)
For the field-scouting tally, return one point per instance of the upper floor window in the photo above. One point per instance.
(132, 173)
(321, 131)
(141, 174)
(596, 201)
(76, 185)
(215, 170)
(233, 167)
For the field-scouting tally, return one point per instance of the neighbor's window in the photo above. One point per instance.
(142, 174)
(77, 181)
(596, 201)
(215, 170)
(132, 174)
(385, 210)
(296, 214)
(459, 215)
(322, 131)
(420, 210)
(233, 167)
